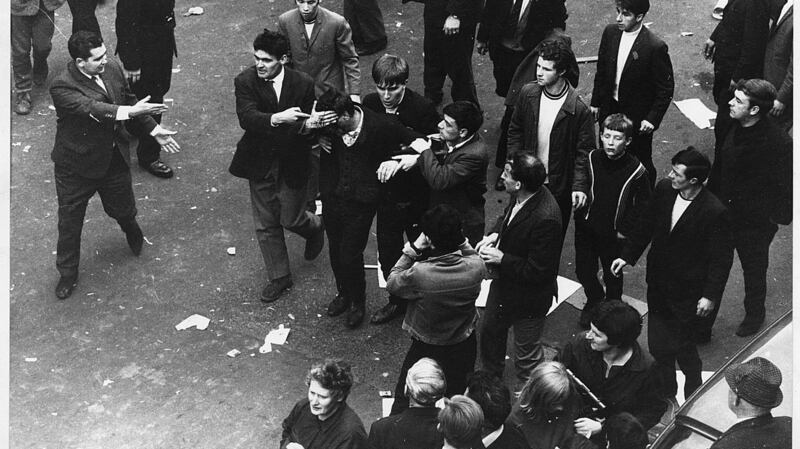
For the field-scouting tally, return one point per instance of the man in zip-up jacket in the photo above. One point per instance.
(618, 194)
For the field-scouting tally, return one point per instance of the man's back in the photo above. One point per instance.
(413, 428)
(763, 432)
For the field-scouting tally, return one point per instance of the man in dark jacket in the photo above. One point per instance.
(634, 77)
(687, 266)
(273, 103)
(779, 59)
(522, 253)
(146, 44)
(752, 176)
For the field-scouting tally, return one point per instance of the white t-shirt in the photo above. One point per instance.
(625, 45)
(678, 209)
(548, 110)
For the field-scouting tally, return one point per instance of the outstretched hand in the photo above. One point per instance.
(168, 144)
(144, 107)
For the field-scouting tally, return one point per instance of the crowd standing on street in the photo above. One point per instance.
(422, 171)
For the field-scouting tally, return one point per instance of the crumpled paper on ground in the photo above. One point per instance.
(196, 320)
(274, 337)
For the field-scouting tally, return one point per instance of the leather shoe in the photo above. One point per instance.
(314, 244)
(158, 168)
(338, 306)
(65, 286)
(355, 316)
(135, 239)
(499, 185)
(23, 103)
(275, 288)
(386, 313)
(749, 327)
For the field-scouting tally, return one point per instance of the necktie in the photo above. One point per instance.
(513, 16)
(271, 88)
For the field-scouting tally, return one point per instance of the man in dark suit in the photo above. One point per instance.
(404, 197)
(510, 29)
(273, 104)
(687, 266)
(778, 61)
(83, 15)
(92, 149)
(146, 44)
(522, 253)
(366, 20)
(634, 77)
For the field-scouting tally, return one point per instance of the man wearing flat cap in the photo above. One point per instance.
(755, 389)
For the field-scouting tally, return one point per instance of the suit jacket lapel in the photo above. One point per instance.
(87, 82)
(526, 210)
(689, 213)
(612, 67)
(317, 27)
(637, 44)
(786, 16)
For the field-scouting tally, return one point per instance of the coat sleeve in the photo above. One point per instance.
(785, 89)
(442, 176)
(402, 279)
(640, 198)
(250, 118)
(347, 54)
(782, 195)
(720, 248)
(585, 143)
(540, 264)
(664, 84)
(600, 91)
(641, 235)
(287, 435)
(516, 126)
(489, 16)
(650, 406)
(128, 25)
(754, 42)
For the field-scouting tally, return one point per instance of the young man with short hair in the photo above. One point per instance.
(460, 422)
(619, 189)
(489, 392)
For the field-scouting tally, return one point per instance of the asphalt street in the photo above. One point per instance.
(107, 368)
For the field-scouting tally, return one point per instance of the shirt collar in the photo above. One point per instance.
(489, 439)
(278, 79)
(461, 144)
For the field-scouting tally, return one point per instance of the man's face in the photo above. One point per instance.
(449, 130)
(740, 106)
(628, 21)
(321, 401)
(267, 65)
(95, 64)
(390, 94)
(597, 340)
(308, 9)
(678, 177)
(614, 143)
(546, 73)
(512, 185)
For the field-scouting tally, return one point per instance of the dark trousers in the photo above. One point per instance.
(31, 32)
(276, 207)
(589, 248)
(83, 18)
(347, 224)
(494, 337)
(502, 143)
(394, 221)
(366, 20)
(504, 64)
(457, 362)
(752, 245)
(564, 201)
(641, 144)
(670, 340)
(74, 192)
(448, 56)
(154, 81)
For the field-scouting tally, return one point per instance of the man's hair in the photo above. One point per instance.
(442, 225)
(621, 323)
(81, 44)
(529, 170)
(489, 391)
(390, 70)
(333, 375)
(272, 42)
(460, 422)
(620, 123)
(559, 52)
(338, 102)
(697, 164)
(547, 391)
(466, 114)
(759, 93)
(635, 6)
(425, 382)
(624, 431)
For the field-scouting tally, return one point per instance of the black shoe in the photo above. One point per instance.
(749, 327)
(275, 288)
(314, 244)
(355, 316)
(158, 168)
(386, 313)
(23, 103)
(364, 50)
(135, 238)
(338, 306)
(499, 185)
(65, 286)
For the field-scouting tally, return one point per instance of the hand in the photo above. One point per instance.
(595, 112)
(617, 265)
(708, 49)
(290, 115)
(422, 242)
(451, 25)
(491, 255)
(143, 107)
(325, 143)
(132, 75)
(704, 307)
(488, 240)
(294, 446)
(777, 108)
(320, 119)
(168, 144)
(406, 161)
(646, 127)
(355, 98)
(481, 47)
(578, 200)
(387, 170)
(587, 427)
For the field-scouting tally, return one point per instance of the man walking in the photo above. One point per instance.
(778, 61)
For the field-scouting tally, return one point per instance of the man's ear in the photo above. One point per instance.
(639, 18)
(463, 133)
(80, 62)
(284, 59)
(754, 110)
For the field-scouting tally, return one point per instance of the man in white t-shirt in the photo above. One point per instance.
(687, 266)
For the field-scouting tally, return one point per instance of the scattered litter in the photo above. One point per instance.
(377, 359)
(16, 144)
(234, 352)
(54, 414)
(697, 112)
(31, 359)
(252, 354)
(275, 336)
(176, 70)
(193, 208)
(148, 241)
(686, 33)
(319, 315)
(51, 107)
(385, 374)
(213, 190)
(107, 382)
(385, 393)
(90, 294)
(266, 348)
(196, 320)
(194, 11)
(139, 308)
(26, 148)
(398, 24)
(232, 251)
(291, 316)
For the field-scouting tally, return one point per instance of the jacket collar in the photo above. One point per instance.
(88, 82)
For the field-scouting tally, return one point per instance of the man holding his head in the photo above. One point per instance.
(92, 149)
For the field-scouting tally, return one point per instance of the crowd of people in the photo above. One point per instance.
(309, 135)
